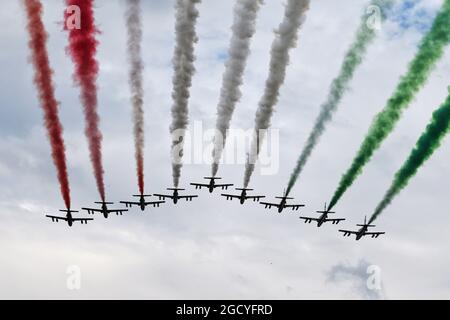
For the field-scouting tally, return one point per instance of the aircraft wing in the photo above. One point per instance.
(309, 219)
(230, 196)
(294, 206)
(163, 196)
(82, 220)
(130, 203)
(334, 221)
(117, 212)
(154, 203)
(200, 185)
(270, 205)
(92, 211)
(223, 186)
(348, 232)
(54, 218)
(256, 198)
(374, 234)
(187, 197)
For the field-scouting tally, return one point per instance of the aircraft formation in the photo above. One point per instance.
(175, 196)
(82, 48)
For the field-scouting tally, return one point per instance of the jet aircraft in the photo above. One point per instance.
(323, 217)
(243, 196)
(69, 218)
(175, 196)
(104, 209)
(363, 231)
(211, 185)
(142, 203)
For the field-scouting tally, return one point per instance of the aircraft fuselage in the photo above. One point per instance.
(361, 233)
(243, 195)
(142, 203)
(105, 211)
(69, 219)
(282, 204)
(322, 219)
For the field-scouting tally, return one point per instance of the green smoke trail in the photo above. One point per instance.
(352, 60)
(430, 51)
(428, 143)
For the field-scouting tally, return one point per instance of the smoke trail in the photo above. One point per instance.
(245, 13)
(44, 85)
(286, 38)
(428, 143)
(134, 28)
(183, 61)
(82, 48)
(430, 51)
(352, 60)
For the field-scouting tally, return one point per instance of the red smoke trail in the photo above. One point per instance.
(44, 84)
(82, 48)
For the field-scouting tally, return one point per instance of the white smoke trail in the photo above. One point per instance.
(134, 30)
(286, 38)
(245, 14)
(183, 62)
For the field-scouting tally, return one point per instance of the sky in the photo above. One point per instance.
(211, 248)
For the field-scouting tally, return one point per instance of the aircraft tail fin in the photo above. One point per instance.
(366, 224)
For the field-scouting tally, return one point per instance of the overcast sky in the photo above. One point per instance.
(211, 248)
